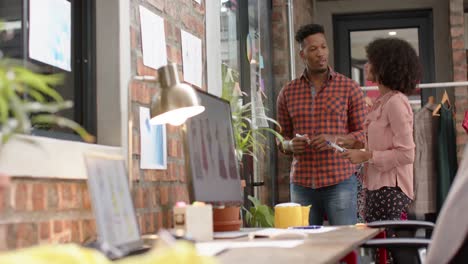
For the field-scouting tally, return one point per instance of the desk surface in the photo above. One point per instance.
(327, 247)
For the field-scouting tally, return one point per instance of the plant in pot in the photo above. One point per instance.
(249, 140)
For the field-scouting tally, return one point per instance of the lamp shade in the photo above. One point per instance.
(175, 101)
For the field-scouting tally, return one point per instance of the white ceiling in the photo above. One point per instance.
(359, 39)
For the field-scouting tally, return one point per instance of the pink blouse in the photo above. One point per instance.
(389, 127)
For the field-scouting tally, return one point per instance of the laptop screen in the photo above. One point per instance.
(112, 203)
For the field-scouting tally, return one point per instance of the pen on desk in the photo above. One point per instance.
(306, 227)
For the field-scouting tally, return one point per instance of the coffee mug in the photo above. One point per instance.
(291, 214)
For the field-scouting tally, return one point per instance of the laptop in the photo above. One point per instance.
(116, 224)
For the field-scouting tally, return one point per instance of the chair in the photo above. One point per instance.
(449, 242)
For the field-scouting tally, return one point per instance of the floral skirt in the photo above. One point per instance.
(361, 196)
(386, 203)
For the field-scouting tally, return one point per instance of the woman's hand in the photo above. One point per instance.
(349, 142)
(356, 156)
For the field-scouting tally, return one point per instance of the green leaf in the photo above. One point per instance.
(63, 122)
(266, 218)
(3, 110)
(38, 82)
(274, 132)
(37, 96)
(36, 107)
(21, 116)
(254, 200)
(248, 216)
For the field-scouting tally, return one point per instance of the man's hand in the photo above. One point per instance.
(299, 144)
(320, 142)
(356, 156)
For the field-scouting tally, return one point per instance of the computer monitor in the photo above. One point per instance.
(212, 164)
(108, 186)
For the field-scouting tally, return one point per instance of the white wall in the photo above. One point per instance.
(442, 49)
(112, 70)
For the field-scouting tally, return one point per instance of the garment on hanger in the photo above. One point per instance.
(465, 122)
(425, 172)
(447, 154)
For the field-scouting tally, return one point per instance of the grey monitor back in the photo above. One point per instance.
(213, 169)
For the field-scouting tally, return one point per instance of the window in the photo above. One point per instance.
(67, 49)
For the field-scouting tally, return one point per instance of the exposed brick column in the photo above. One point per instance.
(459, 69)
(303, 14)
(281, 73)
(156, 191)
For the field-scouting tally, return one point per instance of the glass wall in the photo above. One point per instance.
(247, 76)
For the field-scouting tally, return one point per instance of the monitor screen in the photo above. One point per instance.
(111, 200)
(214, 172)
(50, 32)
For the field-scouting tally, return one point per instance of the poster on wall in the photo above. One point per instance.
(192, 58)
(153, 39)
(153, 149)
(50, 32)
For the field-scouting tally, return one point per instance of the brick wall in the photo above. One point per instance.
(156, 191)
(34, 211)
(303, 14)
(459, 69)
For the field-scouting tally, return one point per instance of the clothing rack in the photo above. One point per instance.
(424, 85)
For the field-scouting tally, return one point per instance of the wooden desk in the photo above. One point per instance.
(327, 247)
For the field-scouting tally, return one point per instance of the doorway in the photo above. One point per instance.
(352, 32)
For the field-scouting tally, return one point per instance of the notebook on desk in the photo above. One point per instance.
(116, 224)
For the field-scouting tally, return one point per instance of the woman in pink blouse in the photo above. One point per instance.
(388, 154)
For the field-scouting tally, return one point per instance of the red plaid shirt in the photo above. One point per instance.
(338, 108)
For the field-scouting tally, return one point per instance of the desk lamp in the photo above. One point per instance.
(176, 101)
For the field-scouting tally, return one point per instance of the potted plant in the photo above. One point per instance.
(249, 140)
(259, 215)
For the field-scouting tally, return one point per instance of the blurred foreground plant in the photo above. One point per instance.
(27, 99)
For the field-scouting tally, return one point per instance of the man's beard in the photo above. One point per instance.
(318, 71)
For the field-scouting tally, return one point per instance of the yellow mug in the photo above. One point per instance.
(291, 214)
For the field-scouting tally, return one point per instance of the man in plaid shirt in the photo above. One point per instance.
(319, 107)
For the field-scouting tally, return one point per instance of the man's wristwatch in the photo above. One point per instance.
(287, 145)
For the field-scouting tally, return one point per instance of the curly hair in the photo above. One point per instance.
(307, 30)
(395, 64)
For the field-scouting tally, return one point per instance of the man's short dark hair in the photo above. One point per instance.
(307, 30)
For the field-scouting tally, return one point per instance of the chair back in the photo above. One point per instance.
(451, 230)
